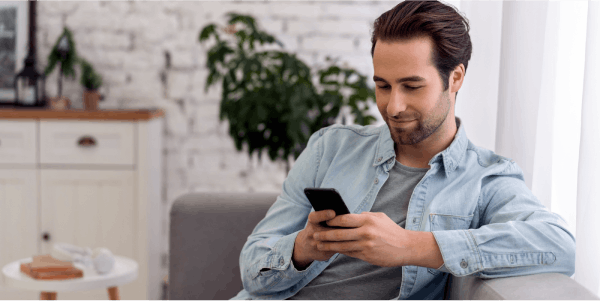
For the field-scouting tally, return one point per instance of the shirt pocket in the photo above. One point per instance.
(441, 222)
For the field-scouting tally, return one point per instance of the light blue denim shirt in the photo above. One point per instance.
(486, 221)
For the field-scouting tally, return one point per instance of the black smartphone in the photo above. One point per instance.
(326, 198)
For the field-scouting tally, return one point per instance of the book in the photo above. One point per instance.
(46, 267)
(74, 273)
(47, 263)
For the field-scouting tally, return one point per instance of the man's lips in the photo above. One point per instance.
(401, 123)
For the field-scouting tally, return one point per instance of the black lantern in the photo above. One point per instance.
(29, 84)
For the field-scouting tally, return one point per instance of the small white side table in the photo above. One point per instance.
(124, 271)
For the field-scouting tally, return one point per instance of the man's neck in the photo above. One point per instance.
(418, 155)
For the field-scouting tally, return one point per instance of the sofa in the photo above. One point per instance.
(208, 231)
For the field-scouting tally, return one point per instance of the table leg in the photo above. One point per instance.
(113, 293)
(48, 296)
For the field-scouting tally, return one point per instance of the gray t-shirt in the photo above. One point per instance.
(351, 278)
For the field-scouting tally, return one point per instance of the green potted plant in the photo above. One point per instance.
(64, 54)
(91, 81)
(268, 97)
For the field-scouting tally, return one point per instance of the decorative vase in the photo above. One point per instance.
(59, 103)
(91, 99)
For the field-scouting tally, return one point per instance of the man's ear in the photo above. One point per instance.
(456, 78)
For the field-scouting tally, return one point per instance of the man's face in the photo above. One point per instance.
(411, 114)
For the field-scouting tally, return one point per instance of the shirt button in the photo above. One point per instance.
(281, 261)
(379, 159)
(414, 220)
(463, 264)
(376, 181)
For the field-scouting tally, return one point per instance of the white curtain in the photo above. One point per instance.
(532, 93)
(588, 208)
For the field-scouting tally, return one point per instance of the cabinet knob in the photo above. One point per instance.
(46, 236)
(86, 141)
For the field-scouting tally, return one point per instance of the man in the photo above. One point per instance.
(425, 202)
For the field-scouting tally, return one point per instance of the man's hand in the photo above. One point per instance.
(305, 247)
(374, 238)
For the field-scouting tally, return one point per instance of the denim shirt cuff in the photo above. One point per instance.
(459, 251)
(282, 257)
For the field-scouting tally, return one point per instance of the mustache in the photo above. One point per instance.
(401, 119)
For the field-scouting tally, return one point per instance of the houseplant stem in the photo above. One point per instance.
(60, 81)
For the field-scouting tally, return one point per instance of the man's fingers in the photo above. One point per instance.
(327, 215)
(320, 216)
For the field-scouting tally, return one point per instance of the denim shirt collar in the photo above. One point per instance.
(450, 157)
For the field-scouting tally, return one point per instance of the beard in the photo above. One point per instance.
(424, 128)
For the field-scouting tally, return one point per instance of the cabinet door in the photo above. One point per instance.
(18, 223)
(91, 208)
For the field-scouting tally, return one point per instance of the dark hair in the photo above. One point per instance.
(447, 28)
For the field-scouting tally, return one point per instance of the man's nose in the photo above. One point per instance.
(397, 103)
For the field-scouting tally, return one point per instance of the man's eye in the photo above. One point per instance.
(383, 87)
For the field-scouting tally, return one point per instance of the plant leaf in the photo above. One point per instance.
(206, 32)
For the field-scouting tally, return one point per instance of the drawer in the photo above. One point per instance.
(18, 142)
(87, 142)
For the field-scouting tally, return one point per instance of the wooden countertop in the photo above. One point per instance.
(25, 113)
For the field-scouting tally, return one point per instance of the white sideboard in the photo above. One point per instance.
(92, 179)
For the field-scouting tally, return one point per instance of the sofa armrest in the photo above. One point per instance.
(206, 235)
(548, 286)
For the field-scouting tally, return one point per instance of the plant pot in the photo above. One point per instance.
(90, 100)
(59, 103)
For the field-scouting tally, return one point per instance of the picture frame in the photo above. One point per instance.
(13, 45)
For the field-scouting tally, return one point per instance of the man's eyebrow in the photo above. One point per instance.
(414, 78)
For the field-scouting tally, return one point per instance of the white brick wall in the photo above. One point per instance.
(339, 45)
(127, 41)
